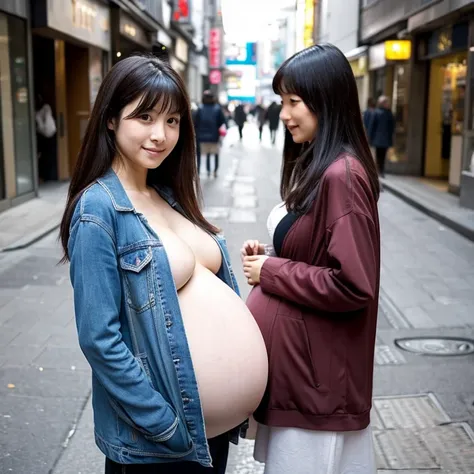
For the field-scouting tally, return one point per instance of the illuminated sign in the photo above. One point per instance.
(215, 76)
(181, 11)
(215, 48)
(399, 50)
(308, 23)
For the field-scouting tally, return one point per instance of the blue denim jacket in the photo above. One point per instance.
(145, 395)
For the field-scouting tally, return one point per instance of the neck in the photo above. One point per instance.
(132, 177)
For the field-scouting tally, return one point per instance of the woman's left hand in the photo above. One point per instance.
(252, 268)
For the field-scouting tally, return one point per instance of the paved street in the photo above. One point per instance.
(424, 405)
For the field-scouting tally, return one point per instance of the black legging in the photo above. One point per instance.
(381, 155)
(218, 447)
(208, 163)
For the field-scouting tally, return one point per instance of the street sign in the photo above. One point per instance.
(215, 76)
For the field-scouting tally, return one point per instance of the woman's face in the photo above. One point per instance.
(146, 140)
(300, 121)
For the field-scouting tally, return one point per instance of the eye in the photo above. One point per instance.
(145, 117)
(173, 120)
(294, 101)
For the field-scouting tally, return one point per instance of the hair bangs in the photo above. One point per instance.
(163, 95)
(284, 81)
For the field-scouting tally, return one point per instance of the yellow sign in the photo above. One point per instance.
(397, 50)
(308, 23)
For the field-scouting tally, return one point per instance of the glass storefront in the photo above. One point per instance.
(20, 99)
(16, 151)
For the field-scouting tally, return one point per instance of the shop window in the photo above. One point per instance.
(400, 111)
(21, 96)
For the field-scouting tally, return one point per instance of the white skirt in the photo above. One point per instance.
(297, 451)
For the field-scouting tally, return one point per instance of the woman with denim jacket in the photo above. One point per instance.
(158, 312)
(316, 284)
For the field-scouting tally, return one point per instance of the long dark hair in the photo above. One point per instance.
(323, 78)
(155, 82)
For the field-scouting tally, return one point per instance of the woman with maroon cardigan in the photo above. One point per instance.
(316, 286)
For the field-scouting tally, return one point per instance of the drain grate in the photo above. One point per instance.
(437, 346)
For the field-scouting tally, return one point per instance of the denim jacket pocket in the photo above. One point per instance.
(138, 280)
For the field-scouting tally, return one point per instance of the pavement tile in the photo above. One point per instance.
(61, 358)
(20, 355)
(31, 436)
(50, 383)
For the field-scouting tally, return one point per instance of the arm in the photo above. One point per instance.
(97, 299)
(349, 281)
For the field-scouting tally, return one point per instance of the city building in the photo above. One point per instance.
(337, 22)
(17, 145)
(420, 56)
(56, 60)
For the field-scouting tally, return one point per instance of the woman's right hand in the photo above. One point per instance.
(251, 247)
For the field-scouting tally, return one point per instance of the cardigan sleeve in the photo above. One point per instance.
(349, 281)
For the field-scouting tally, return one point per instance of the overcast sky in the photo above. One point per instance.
(247, 20)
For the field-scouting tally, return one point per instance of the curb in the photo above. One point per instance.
(453, 224)
(31, 239)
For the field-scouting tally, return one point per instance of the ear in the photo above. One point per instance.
(111, 124)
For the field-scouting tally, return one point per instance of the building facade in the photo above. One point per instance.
(337, 22)
(58, 56)
(429, 85)
(18, 167)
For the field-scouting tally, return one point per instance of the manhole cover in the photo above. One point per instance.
(442, 346)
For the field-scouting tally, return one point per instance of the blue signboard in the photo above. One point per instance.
(239, 56)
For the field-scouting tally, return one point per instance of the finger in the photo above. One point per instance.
(255, 247)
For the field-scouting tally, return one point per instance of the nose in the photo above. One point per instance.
(284, 114)
(158, 132)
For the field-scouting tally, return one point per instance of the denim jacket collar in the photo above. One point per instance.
(112, 185)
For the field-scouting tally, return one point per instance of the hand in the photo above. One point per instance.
(252, 268)
(252, 247)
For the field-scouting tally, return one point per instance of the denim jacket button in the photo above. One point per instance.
(169, 323)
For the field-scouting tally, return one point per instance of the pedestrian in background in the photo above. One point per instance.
(209, 119)
(368, 115)
(381, 132)
(240, 117)
(273, 114)
(261, 115)
(149, 274)
(316, 286)
(46, 140)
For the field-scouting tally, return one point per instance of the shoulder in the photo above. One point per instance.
(95, 205)
(345, 186)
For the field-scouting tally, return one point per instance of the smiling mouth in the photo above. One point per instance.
(293, 127)
(154, 150)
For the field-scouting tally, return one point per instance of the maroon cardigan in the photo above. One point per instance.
(316, 306)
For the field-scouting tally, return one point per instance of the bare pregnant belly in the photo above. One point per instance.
(227, 349)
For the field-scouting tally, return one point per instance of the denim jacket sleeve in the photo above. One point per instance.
(97, 287)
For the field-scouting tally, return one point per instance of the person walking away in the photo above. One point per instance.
(316, 284)
(381, 132)
(156, 303)
(46, 140)
(240, 117)
(273, 114)
(209, 119)
(368, 115)
(261, 114)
